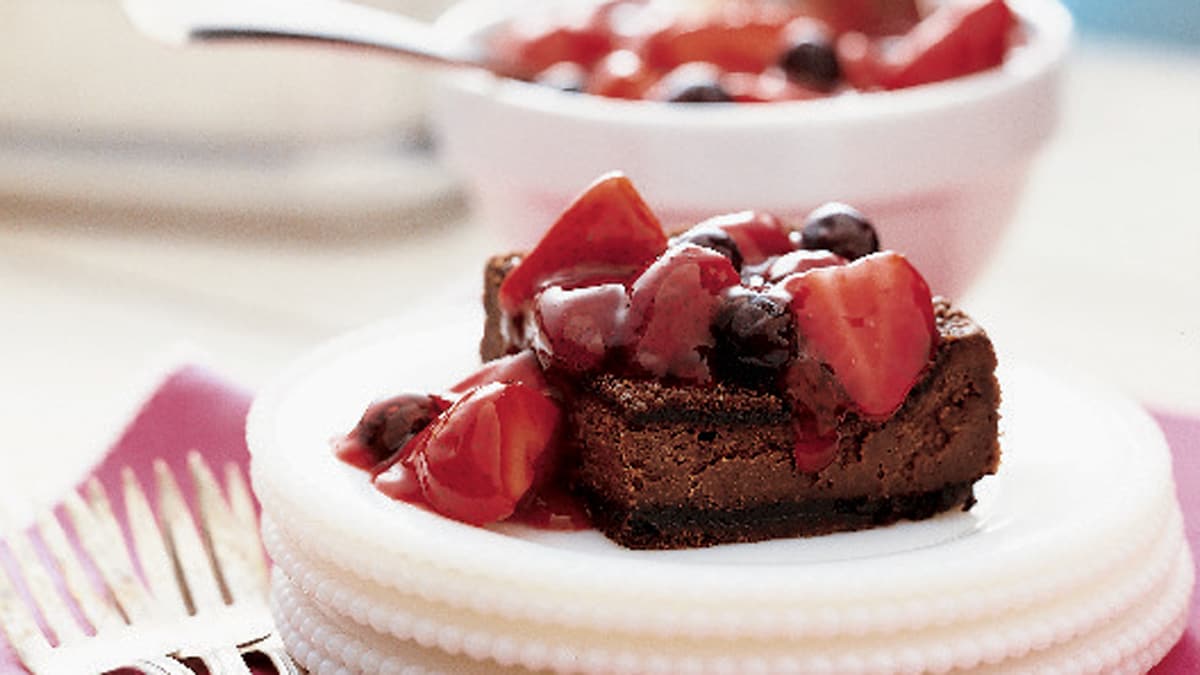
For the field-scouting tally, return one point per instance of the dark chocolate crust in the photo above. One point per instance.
(670, 466)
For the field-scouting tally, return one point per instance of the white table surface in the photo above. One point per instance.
(1099, 274)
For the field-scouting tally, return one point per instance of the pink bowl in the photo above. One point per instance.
(938, 168)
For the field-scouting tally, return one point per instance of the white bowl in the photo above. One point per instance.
(938, 168)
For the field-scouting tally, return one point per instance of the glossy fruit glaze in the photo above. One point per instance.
(752, 50)
(814, 313)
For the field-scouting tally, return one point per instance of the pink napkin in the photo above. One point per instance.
(195, 409)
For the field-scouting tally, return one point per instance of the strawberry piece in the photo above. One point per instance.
(956, 39)
(608, 231)
(519, 368)
(871, 322)
(859, 60)
(533, 43)
(621, 74)
(749, 48)
(671, 309)
(758, 235)
(480, 457)
(577, 327)
(873, 17)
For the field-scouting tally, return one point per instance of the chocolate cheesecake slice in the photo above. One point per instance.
(661, 465)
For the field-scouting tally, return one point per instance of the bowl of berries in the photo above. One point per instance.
(926, 119)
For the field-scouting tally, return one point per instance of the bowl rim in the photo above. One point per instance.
(1048, 24)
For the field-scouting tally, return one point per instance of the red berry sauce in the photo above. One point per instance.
(752, 51)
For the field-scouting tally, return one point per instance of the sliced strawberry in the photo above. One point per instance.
(747, 45)
(871, 322)
(671, 310)
(860, 62)
(758, 235)
(608, 231)
(873, 17)
(956, 39)
(577, 327)
(519, 368)
(483, 455)
(533, 43)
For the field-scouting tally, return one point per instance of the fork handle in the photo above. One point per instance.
(225, 661)
(161, 665)
(272, 647)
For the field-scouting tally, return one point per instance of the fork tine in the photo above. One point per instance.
(241, 502)
(18, 622)
(52, 605)
(196, 564)
(224, 536)
(101, 537)
(98, 611)
(184, 545)
(151, 547)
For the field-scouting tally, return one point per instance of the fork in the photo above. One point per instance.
(208, 584)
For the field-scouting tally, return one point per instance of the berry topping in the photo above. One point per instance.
(672, 304)
(622, 48)
(386, 427)
(622, 74)
(607, 231)
(801, 261)
(480, 457)
(956, 39)
(841, 229)
(873, 17)
(755, 337)
(710, 236)
(809, 58)
(758, 235)
(871, 322)
(692, 83)
(519, 368)
(577, 327)
(533, 43)
(741, 37)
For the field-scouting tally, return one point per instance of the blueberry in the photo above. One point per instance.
(711, 236)
(810, 59)
(841, 229)
(755, 338)
(710, 92)
(693, 83)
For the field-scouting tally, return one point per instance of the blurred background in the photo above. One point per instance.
(238, 205)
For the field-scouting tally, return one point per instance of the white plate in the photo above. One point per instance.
(1084, 489)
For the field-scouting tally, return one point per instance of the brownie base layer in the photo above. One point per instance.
(658, 527)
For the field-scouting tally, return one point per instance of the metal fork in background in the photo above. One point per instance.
(201, 594)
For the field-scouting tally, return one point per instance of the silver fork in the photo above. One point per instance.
(207, 584)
